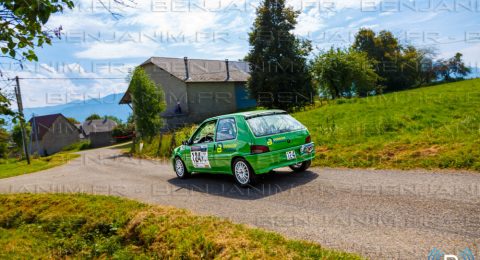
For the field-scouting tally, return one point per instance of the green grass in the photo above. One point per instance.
(13, 167)
(430, 127)
(161, 146)
(78, 146)
(85, 226)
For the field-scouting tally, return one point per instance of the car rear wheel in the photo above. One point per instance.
(180, 169)
(300, 167)
(243, 172)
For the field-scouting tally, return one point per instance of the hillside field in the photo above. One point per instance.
(429, 127)
(55, 226)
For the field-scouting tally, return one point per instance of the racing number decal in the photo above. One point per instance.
(199, 156)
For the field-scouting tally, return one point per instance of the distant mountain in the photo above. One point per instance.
(80, 110)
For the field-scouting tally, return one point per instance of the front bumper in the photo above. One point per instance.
(265, 162)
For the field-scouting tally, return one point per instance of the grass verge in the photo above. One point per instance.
(429, 127)
(86, 226)
(13, 167)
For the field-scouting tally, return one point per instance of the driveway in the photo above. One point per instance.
(379, 214)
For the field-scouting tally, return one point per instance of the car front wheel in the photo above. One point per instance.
(180, 169)
(300, 167)
(243, 172)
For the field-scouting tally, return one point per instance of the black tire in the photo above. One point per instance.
(240, 167)
(301, 166)
(181, 171)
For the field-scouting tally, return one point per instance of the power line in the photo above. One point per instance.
(68, 78)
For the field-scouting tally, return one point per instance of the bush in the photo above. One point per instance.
(123, 130)
(154, 148)
(78, 146)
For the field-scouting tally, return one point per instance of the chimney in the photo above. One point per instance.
(228, 69)
(185, 59)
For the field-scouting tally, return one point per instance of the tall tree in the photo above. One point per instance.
(365, 41)
(394, 62)
(278, 59)
(148, 103)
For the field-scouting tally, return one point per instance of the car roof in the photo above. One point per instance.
(248, 114)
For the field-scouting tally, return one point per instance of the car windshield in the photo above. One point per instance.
(273, 124)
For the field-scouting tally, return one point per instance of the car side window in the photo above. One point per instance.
(206, 134)
(226, 129)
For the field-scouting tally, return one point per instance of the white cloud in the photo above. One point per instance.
(309, 22)
(118, 50)
(361, 22)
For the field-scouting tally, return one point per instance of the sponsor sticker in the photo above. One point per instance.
(276, 140)
(269, 141)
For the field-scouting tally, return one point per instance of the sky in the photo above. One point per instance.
(102, 39)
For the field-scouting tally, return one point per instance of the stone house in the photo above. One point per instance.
(99, 132)
(51, 133)
(196, 89)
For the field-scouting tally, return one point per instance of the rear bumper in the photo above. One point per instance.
(265, 162)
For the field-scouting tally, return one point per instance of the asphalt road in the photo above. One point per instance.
(379, 214)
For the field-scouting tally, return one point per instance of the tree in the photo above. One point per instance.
(458, 66)
(411, 66)
(93, 117)
(115, 119)
(365, 42)
(22, 26)
(5, 108)
(17, 135)
(279, 75)
(399, 67)
(148, 103)
(451, 69)
(73, 120)
(124, 130)
(343, 73)
(4, 138)
(427, 71)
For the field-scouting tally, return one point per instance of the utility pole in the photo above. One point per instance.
(18, 94)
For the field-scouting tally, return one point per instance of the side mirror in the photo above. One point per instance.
(185, 142)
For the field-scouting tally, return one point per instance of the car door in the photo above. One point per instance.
(226, 143)
(199, 154)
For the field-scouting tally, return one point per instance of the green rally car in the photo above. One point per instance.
(245, 144)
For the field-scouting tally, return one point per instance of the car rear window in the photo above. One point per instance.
(273, 124)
